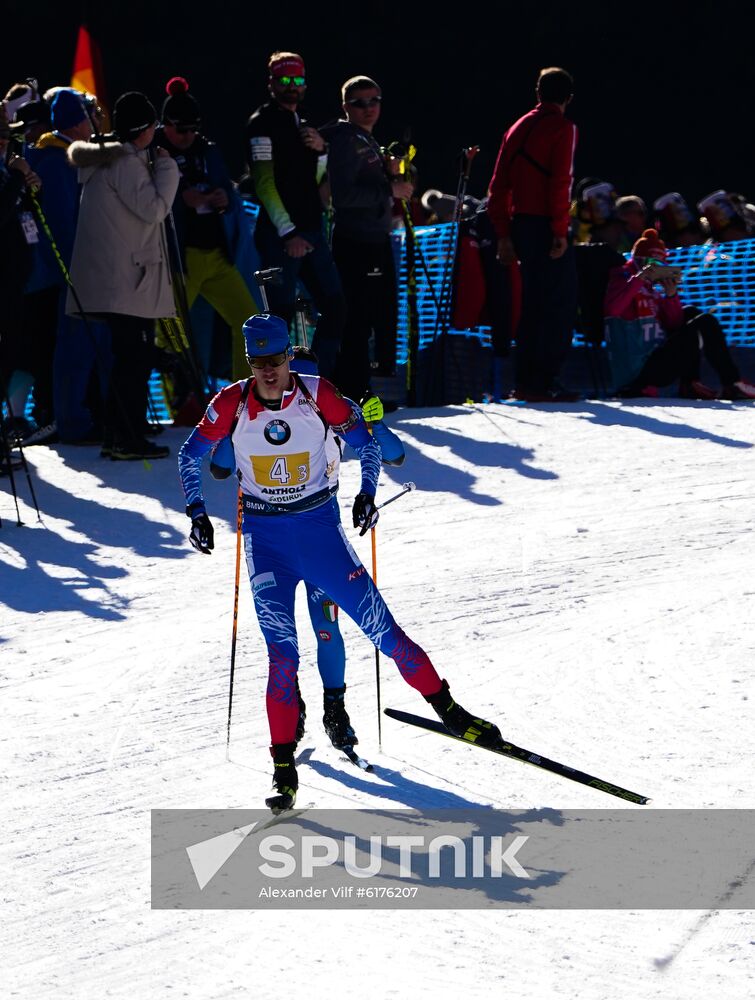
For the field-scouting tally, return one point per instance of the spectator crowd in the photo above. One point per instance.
(130, 250)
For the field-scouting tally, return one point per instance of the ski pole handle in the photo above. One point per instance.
(408, 487)
(469, 154)
(262, 277)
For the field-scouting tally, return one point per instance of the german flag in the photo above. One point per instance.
(87, 67)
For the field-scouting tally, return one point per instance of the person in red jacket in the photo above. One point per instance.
(680, 332)
(529, 199)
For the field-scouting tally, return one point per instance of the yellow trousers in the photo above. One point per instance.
(210, 274)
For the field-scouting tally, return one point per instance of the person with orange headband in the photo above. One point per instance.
(287, 161)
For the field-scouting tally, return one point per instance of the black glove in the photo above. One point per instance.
(202, 535)
(364, 512)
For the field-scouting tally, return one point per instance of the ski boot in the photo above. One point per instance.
(285, 778)
(302, 713)
(336, 720)
(460, 722)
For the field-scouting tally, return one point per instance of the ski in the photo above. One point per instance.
(526, 756)
(355, 758)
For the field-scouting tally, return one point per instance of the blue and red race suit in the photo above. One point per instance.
(292, 526)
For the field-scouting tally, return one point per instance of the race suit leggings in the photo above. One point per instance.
(331, 653)
(282, 550)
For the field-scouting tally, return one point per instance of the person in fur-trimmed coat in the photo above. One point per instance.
(120, 267)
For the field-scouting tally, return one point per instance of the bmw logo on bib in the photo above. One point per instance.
(277, 432)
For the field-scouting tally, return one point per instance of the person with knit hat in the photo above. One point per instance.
(279, 424)
(206, 214)
(642, 306)
(119, 266)
(287, 161)
(68, 113)
(61, 355)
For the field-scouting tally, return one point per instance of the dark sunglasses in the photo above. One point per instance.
(286, 81)
(364, 102)
(273, 360)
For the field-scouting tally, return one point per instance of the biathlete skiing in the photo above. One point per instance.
(279, 422)
(323, 612)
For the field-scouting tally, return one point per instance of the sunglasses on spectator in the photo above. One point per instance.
(273, 360)
(364, 102)
(286, 81)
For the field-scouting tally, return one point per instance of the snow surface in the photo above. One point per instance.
(581, 574)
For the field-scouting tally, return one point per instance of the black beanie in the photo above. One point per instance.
(180, 108)
(132, 114)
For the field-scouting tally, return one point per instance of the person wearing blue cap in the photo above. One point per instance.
(59, 353)
(279, 423)
(323, 612)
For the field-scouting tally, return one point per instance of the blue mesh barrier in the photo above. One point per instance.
(434, 243)
(717, 277)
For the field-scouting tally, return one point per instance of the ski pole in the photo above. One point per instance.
(443, 316)
(377, 651)
(300, 306)
(184, 333)
(262, 278)
(407, 488)
(239, 515)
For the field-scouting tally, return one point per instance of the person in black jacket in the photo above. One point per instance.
(18, 234)
(287, 161)
(362, 192)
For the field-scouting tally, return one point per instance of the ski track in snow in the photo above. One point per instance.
(579, 573)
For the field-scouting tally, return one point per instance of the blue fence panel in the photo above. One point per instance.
(434, 244)
(717, 277)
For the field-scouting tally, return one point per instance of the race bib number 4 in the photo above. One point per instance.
(281, 470)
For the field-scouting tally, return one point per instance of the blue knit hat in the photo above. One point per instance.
(265, 334)
(67, 110)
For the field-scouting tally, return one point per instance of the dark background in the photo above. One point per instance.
(664, 92)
